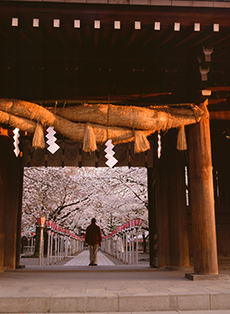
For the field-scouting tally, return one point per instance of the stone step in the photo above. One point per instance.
(154, 312)
(103, 304)
(78, 288)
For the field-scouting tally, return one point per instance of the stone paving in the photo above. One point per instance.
(155, 312)
(83, 259)
(109, 289)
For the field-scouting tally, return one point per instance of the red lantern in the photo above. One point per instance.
(53, 226)
(49, 224)
(138, 222)
(41, 221)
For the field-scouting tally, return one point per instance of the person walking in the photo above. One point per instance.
(93, 238)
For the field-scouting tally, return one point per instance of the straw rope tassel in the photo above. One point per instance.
(89, 141)
(181, 139)
(141, 143)
(38, 139)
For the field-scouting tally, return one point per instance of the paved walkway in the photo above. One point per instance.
(110, 289)
(83, 259)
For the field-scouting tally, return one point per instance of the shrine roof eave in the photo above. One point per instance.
(182, 3)
(159, 57)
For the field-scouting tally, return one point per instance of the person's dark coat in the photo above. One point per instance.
(93, 235)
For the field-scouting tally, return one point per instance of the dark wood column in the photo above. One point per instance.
(3, 141)
(152, 217)
(158, 211)
(9, 185)
(162, 213)
(178, 223)
(151, 172)
(171, 212)
(202, 198)
(19, 217)
(167, 207)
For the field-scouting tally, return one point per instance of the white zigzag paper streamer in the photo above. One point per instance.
(109, 154)
(159, 146)
(53, 147)
(16, 141)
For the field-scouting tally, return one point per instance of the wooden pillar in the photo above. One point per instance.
(158, 211)
(178, 224)
(202, 198)
(9, 174)
(151, 212)
(171, 212)
(19, 216)
(2, 198)
(162, 213)
(152, 218)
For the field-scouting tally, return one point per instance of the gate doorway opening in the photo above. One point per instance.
(69, 197)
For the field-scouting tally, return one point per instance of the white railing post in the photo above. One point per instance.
(48, 248)
(137, 246)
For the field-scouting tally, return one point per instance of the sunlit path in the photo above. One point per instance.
(83, 259)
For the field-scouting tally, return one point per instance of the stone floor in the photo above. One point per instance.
(110, 289)
(83, 259)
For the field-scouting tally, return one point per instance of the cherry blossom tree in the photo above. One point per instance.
(72, 196)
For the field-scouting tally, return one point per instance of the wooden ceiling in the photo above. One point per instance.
(71, 64)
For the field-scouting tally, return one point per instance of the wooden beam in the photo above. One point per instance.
(220, 115)
(101, 99)
(219, 88)
(217, 101)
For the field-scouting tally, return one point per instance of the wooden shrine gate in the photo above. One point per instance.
(171, 243)
(130, 55)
